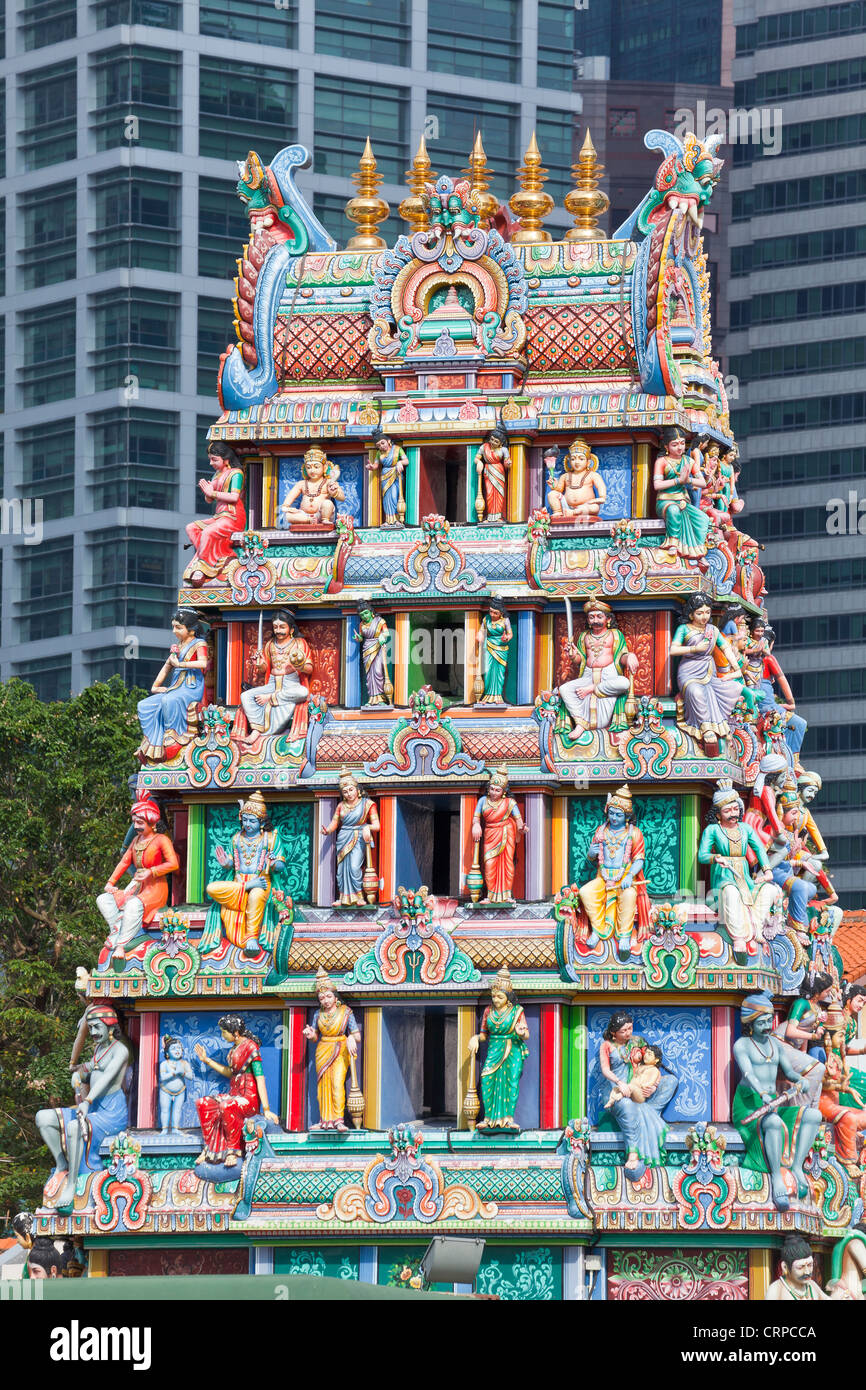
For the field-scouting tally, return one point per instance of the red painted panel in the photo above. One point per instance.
(296, 1071)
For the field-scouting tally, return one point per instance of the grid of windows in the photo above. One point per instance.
(380, 112)
(135, 459)
(823, 190)
(215, 330)
(156, 14)
(137, 340)
(771, 31)
(48, 229)
(808, 137)
(251, 21)
(803, 468)
(816, 577)
(681, 38)
(376, 31)
(48, 466)
(453, 44)
(458, 125)
(844, 795)
(46, 338)
(801, 248)
(46, 578)
(795, 359)
(133, 578)
(51, 676)
(845, 850)
(555, 56)
(2, 246)
(830, 740)
(48, 132)
(822, 630)
(814, 411)
(222, 228)
(46, 21)
(812, 81)
(2, 363)
(244, 106)
(137, 99)
(820, 301)
(136, 220)
(135, 672)
(788, 525)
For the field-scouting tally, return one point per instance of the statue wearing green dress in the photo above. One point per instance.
(504, 1029)
(494, 639)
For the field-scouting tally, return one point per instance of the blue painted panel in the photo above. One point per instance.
(685, 1037)
(406, 866)
(201, 1027)
(614, 465)
(351, 481)
(353, 663)
(397, 1103)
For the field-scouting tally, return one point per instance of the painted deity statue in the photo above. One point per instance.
(245, 907)
(355, 822)
(496, 824)
(760, 671)
(580, 492)
(843, 1092)
(313, 498)
(222, 1116)
(615, 901)
(641, 1089)
(495, 636)
(390, 462)
(212, 539)
(792, 860)
(492, 464)
(795, 1283)
(675, 472)
(505, 1031)
(372, 635)
(284, 665)
(596, 698)
(168, 715)
(150, 858)
(74, 1133)
(776, 1127)
(174, 1072)
(745, 897)
(848, 1266)
(706, 698)
(336, 1035)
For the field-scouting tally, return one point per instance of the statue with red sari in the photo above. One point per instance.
(222, 1116)
(496, 824)
(492, 463)
(212, 539)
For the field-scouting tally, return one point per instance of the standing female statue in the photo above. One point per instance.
(705, 698)
(492, 463)
(167, 716)
(505, 1030)
(686, 526)
(336, 1035)
(355, 822)
(494, 638)
(496, 823)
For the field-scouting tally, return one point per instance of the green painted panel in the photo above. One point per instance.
(325, 1262)
(293, 819)
(658, 817)
(516, 1273)
(195, 879)
(573, 1061)
(436, 654)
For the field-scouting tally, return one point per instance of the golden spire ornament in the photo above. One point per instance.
(530, 203)
(412, 209)
(586, 202)
(366, 208)
(479, 175)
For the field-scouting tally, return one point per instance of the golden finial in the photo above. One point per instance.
(412, 209)
(529, 203)
(586, 202)
(366, 208)
(479, 175)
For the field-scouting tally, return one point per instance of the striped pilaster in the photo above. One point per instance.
(372, 1042)
(401, 658)
(537, 848)
(516, 505)
(295, 1067)
(352, 679)
(662, 645)
(234, 662)
(722, 1043)
(465, 1030)
(559, 843)
(526, 688)
(148, 1059)
(640, 481)
(467, 848)
(760, 1273)
(270, 474)
(546, 663)
(326, 864)
(550, 1086)
(372, 494)
(387, 848)
(471, 666)
(573, 1065)
(689, 836)
(195, 853)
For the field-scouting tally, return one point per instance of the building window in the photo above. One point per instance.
(48, 223)
(48, 466)
(135, 459)
(800, 248)
(215, 332)
(137, 220)
(789, 194)
(780, 469)
(243, 107)
(621, 121)
(51, 677)
(133, 578)
(800, 359)
(48, 132)
(223, 228)
(45, 22)
(251, 21)
(137, 99)
(555, 45)
(380, 112)
(330, 208)
(2, 246)
(136, 335)
(139, 671)
(2, 121)
(376, 31)
(157, 14)
(2, 363)
(458, 125)
(45, 606)
(47, 343)
(817, 578)
(555, 133)
(453, 29)
(820, 301)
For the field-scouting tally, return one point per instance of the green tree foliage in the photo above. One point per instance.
(64, 810)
